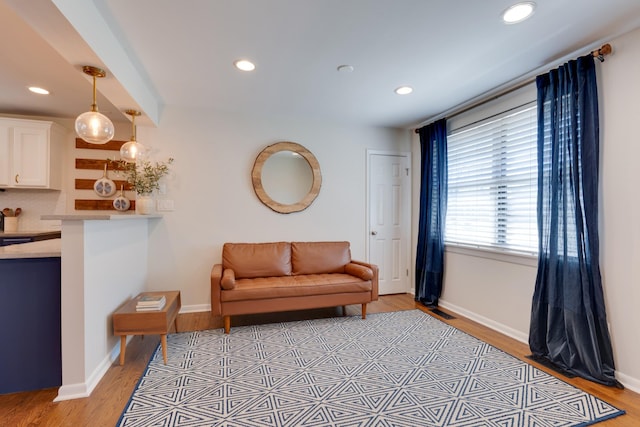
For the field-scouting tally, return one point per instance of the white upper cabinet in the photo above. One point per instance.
(31, 154)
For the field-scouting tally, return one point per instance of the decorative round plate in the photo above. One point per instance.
(104, 187)
(121, 203)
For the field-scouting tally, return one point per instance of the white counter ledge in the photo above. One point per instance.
(97, 217)
(42, 249)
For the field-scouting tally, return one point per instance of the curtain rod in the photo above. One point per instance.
(605, 49)
(598, 54)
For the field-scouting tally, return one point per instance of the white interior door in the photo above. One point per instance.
(389, 219)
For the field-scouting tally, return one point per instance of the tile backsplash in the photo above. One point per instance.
(34, 203)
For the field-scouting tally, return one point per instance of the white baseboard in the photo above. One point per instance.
(195, 308)
(72, 391)
(629, 382)
(81, 390)
(499, 327)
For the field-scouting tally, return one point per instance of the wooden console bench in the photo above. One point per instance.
(128, 321)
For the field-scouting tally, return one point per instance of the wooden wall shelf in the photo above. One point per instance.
(99, 204)
(87, 184)
(109, 146)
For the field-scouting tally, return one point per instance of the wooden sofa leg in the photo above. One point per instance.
(227, 324)
(344, 310)
(364, 311)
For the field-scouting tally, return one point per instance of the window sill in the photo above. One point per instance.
(528, 259)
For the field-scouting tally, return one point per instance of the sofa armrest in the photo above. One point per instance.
(358, 270)
(374, 279)
(216, 289)
(228, 281)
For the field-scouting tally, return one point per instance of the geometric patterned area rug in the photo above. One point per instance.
(403, 368)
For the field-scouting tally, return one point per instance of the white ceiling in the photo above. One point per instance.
(167, 52)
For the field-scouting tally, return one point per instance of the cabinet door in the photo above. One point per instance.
(5, 157)
(30, 157)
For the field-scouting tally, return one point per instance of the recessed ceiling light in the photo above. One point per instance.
(404, 90)
(518, 12)
(38, 90)
(345, 68)
(244, 65)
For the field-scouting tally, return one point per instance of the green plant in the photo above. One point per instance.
(143, 175)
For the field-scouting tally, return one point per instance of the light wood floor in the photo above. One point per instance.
(107, 401)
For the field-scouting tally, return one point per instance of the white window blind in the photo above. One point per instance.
(492, 188)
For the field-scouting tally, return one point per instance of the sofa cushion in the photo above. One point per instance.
(319, 257)
(249, 260)
(295, 286)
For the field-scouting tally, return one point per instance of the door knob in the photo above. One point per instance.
(374, 233)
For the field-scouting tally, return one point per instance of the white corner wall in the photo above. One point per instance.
(498, 294)
(214, 199)
(104, 264)
(618, 89)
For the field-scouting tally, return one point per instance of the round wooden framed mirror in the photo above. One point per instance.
(286, 177)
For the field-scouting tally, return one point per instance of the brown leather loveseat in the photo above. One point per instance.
(282, 276)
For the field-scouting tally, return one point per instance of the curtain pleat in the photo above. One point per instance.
(568, 320)
(433, 208)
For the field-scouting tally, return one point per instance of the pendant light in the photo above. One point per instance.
(93, 127)
(132, 150)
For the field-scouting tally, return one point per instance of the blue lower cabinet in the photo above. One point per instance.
(30, 354)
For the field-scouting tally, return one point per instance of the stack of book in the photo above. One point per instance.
(151, 302)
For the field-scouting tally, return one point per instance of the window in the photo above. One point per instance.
(492, 188)
(567, 229)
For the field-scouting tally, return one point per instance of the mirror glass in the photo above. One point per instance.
(286, 177)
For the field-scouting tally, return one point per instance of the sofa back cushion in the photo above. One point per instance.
(249, 260)
(319, 257)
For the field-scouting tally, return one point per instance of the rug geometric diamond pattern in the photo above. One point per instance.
(402, 369)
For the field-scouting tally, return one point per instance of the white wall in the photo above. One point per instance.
(619, 89)
(104, 265)
(215, 203)
(499, 293)
(35, 203)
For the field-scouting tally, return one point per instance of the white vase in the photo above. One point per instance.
(145, 204)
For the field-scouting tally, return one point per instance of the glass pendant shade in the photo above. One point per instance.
(94, 127)
(132, 150)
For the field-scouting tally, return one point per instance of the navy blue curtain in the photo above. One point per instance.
(433, 209)
(568, 321)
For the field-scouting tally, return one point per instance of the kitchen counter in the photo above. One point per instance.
(37, 235)
(29, 233)
(97, 217)
(41, 249)
(26, 236)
